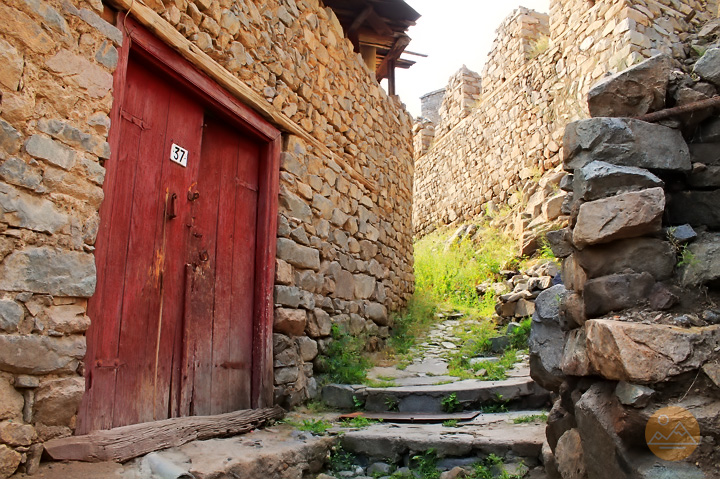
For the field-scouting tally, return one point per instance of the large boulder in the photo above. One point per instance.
(701, 261)
(624, 142)
(641, 255)
(627, 215)
(638, 90)
(646, 354)
(616, 292)
(599, 179)
(697, 208)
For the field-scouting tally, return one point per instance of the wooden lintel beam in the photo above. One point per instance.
(148, 18)
(392, 56)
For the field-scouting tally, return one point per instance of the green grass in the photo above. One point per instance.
(519, 337)
(359, 422)
(379, 383)
(346, 363)
(531, 418)
(450, 423)
(317, 427)
(414, 322)
(495, 371)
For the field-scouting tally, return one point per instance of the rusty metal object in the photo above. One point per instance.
(680, 110)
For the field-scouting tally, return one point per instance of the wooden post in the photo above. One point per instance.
(391, 78)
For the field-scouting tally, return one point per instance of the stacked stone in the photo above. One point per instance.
(430, 105)
(517, 294)
(345, 250)
(461, 96)
(613, 368)
(423, 136)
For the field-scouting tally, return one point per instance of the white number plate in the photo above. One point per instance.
(179, 155)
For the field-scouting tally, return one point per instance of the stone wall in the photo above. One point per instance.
(430, 105)
(344, 250)
(532, 88)
(635, 328)
(460, 97)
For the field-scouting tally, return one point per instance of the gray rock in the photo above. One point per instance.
(662, 298)
(701, 262)
(640, 255)
(703, 176)
(298, 255)
(559, 422)
(289, 296)
(624, 142)
(11, 314)
(697, 208)
(623, 216)
(633, 394)
(379, 468)
(31, 354)
(705, 153)
(638, 90)
(364, 286)
(599, 179)
(548, 304)
(22, 210)
(286, 375)
(498, 344)
(10, 138)
(616, 292)
(341, 395)
(560, 242)
(708, 132)
(50, 271)
(308, 348)
(653, 469)
(295, 207)
(319, 324)
(708, 66)
(51, 151)
(682, 234)
(546, 344)
(17, 172)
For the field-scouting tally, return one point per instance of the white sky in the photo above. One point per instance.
(451, 33)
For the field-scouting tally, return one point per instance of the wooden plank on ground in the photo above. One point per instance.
(124, 443)
(414, 417)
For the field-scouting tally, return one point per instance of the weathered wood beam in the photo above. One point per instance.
(396, 50)
(147, 17)
(124, 443)
(359, 20)
(379, 24)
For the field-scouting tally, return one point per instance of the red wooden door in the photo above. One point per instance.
(172, 315)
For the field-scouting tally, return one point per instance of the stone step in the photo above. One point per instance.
(486, 434)
(471, 394)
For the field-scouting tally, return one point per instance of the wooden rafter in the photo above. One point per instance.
(392, 56)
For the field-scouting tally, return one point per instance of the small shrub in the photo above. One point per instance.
(392, 403)
(341, 460)
(426, 464)
(450, 423)
(450, 404)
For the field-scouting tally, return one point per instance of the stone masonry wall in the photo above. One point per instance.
(430, 105)
(531, 90)
(344, 252)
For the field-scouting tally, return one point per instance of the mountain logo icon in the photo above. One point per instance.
(672, 433)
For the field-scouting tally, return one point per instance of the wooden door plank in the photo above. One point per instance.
(125, 443)
(203, 255)
(243, 273)
(184, 128)
(135, 380)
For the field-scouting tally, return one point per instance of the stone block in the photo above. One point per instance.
(705, 153)
(641, 255)
(701, 263)
(623, 216)
(633, 394)
(79, 72)
(364, 286)
(286, 375)
(10, 138)
(599, 179)
(11, 314)
(17, 434)
(638, 90)
(32, 354)
(51, 151)
(552, 208)
(15, 171)
(49, 271)
(291, 322)
(57, 401)
(708, 66)
(624, 142)
(616, 292)
(283, 272)
(573, 275)
(703, 176)
(646, 354)
(697, 208)
(560, 242)
(298, 255)
(294, 206)
(559, 422)
(286, 358)
(11, 406)
(546, 344)
(22, 210)
(342, 396)
(20, 26)
(12, 63)
(308, 348)
(570, 456)
(575, 361)
(9, 461)
(524, 308)
(319, 324)
(288, 296)
(378, 313)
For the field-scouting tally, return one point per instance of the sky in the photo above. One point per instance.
(452, 33)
